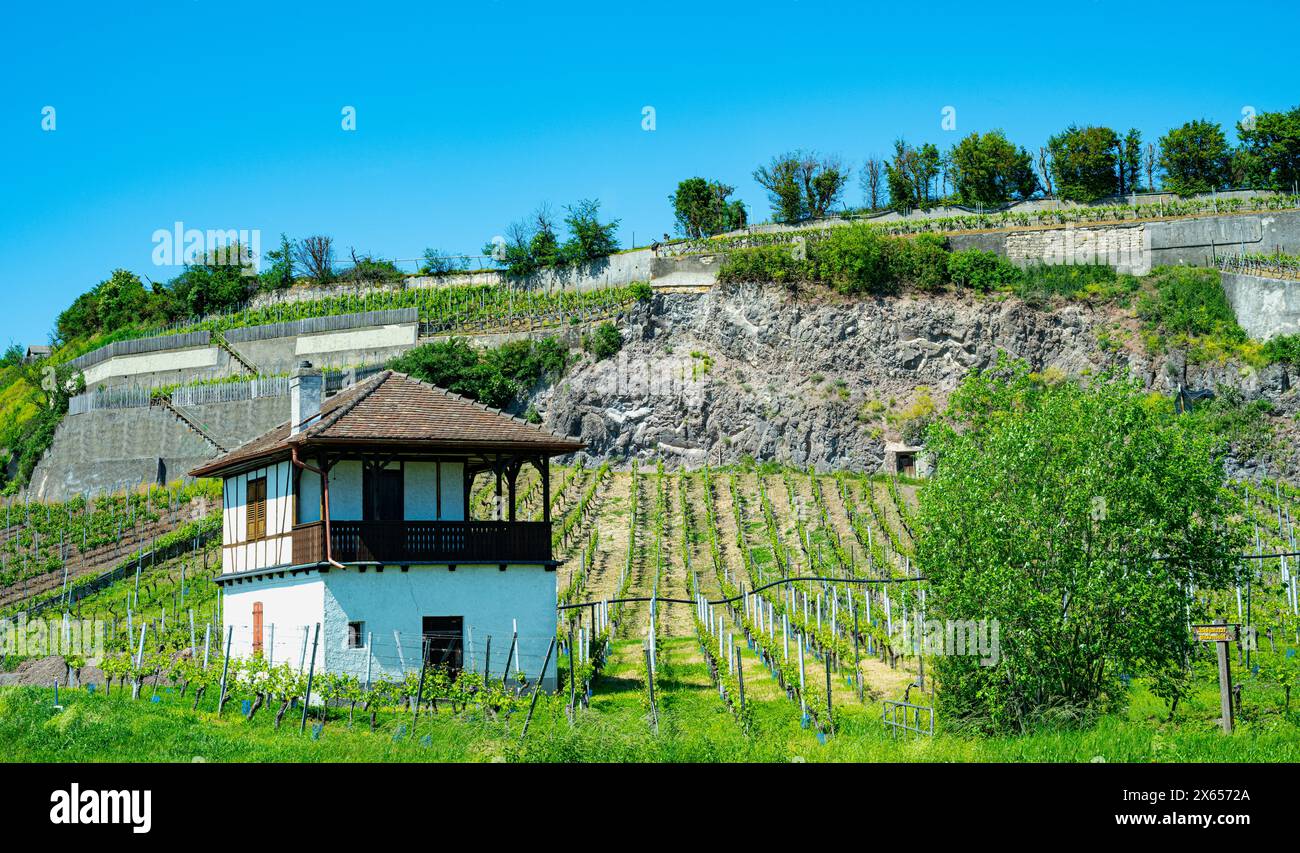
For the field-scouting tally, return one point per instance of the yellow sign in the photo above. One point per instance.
(1215, 633)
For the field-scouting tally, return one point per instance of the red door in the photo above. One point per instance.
(257, 628)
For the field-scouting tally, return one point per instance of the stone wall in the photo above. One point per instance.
(1122, 247)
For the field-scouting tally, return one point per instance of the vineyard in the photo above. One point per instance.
(767, 613)
(441, 310)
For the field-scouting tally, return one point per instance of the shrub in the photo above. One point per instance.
(763, 263)
(495, 377)
(640, 291)
(1067, 493)
(853, 259)
(920, 261)
(1284, 349)
(604, 342)
(981, 270)
(1039, 282)
(1189, 302)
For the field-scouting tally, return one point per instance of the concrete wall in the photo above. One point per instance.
(349, 348)
(166, 367)
(112, 449)
(617, 270)
(391, 602)
(1137, 247)
(1265, 307)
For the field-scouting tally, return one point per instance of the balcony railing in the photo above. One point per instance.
(424, 541)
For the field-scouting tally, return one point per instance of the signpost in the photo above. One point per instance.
(1221, 634)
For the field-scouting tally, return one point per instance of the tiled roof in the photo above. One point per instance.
(393, 408)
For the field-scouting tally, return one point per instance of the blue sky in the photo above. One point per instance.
(228, 115)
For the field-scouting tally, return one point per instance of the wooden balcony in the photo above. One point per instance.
(425, 542)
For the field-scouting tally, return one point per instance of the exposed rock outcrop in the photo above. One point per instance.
(745, 370)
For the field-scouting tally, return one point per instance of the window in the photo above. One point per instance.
(356, 635)
(257, 509)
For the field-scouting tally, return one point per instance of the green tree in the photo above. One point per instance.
(989, 170)
(1129, 161)
(590, 239)
(701, 208)
(1195, 157)
(1084, 163)
(121, 300)
(278, 272)
(216, 283)
(802, 185)
(1272, 150)
(495, 377)
(439, 263)
(1080, 520)
(910, 175)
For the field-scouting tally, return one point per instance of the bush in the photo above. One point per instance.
(1189, 302)
(762, 264)
(604, 342)
(981, 270)
(495, 377)
(1040, 282)
(640, 291)
(1284, 349)
(1064, 493)
(853, 259)
(920, 261)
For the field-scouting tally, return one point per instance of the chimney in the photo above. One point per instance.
(306, 387)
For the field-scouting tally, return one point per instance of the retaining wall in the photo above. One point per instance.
(1265, 307)
(111, 449)
(1138, 247)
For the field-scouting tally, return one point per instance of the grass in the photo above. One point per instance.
(694, 727)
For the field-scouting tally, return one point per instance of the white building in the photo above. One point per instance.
(352, 517)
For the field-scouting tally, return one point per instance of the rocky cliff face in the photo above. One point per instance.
(744, 370)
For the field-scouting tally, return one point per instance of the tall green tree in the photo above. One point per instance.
(1195, 157)
(1271, 149)
(589, 238)
(802, 184)
(1081, 520)
(910, 175)
(1084, 163)
(701, 208)
(1129, 161)
(987, 169)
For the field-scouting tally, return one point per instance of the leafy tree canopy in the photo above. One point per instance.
(1082, 519)
(1084, 163)
(987, 169)
(1195, 158)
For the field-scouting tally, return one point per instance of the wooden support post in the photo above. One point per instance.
(1225, 683)
(573, 688)
(537, 688)
(830, 720)
(225, 670)
(311, 672)
(419, 691)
